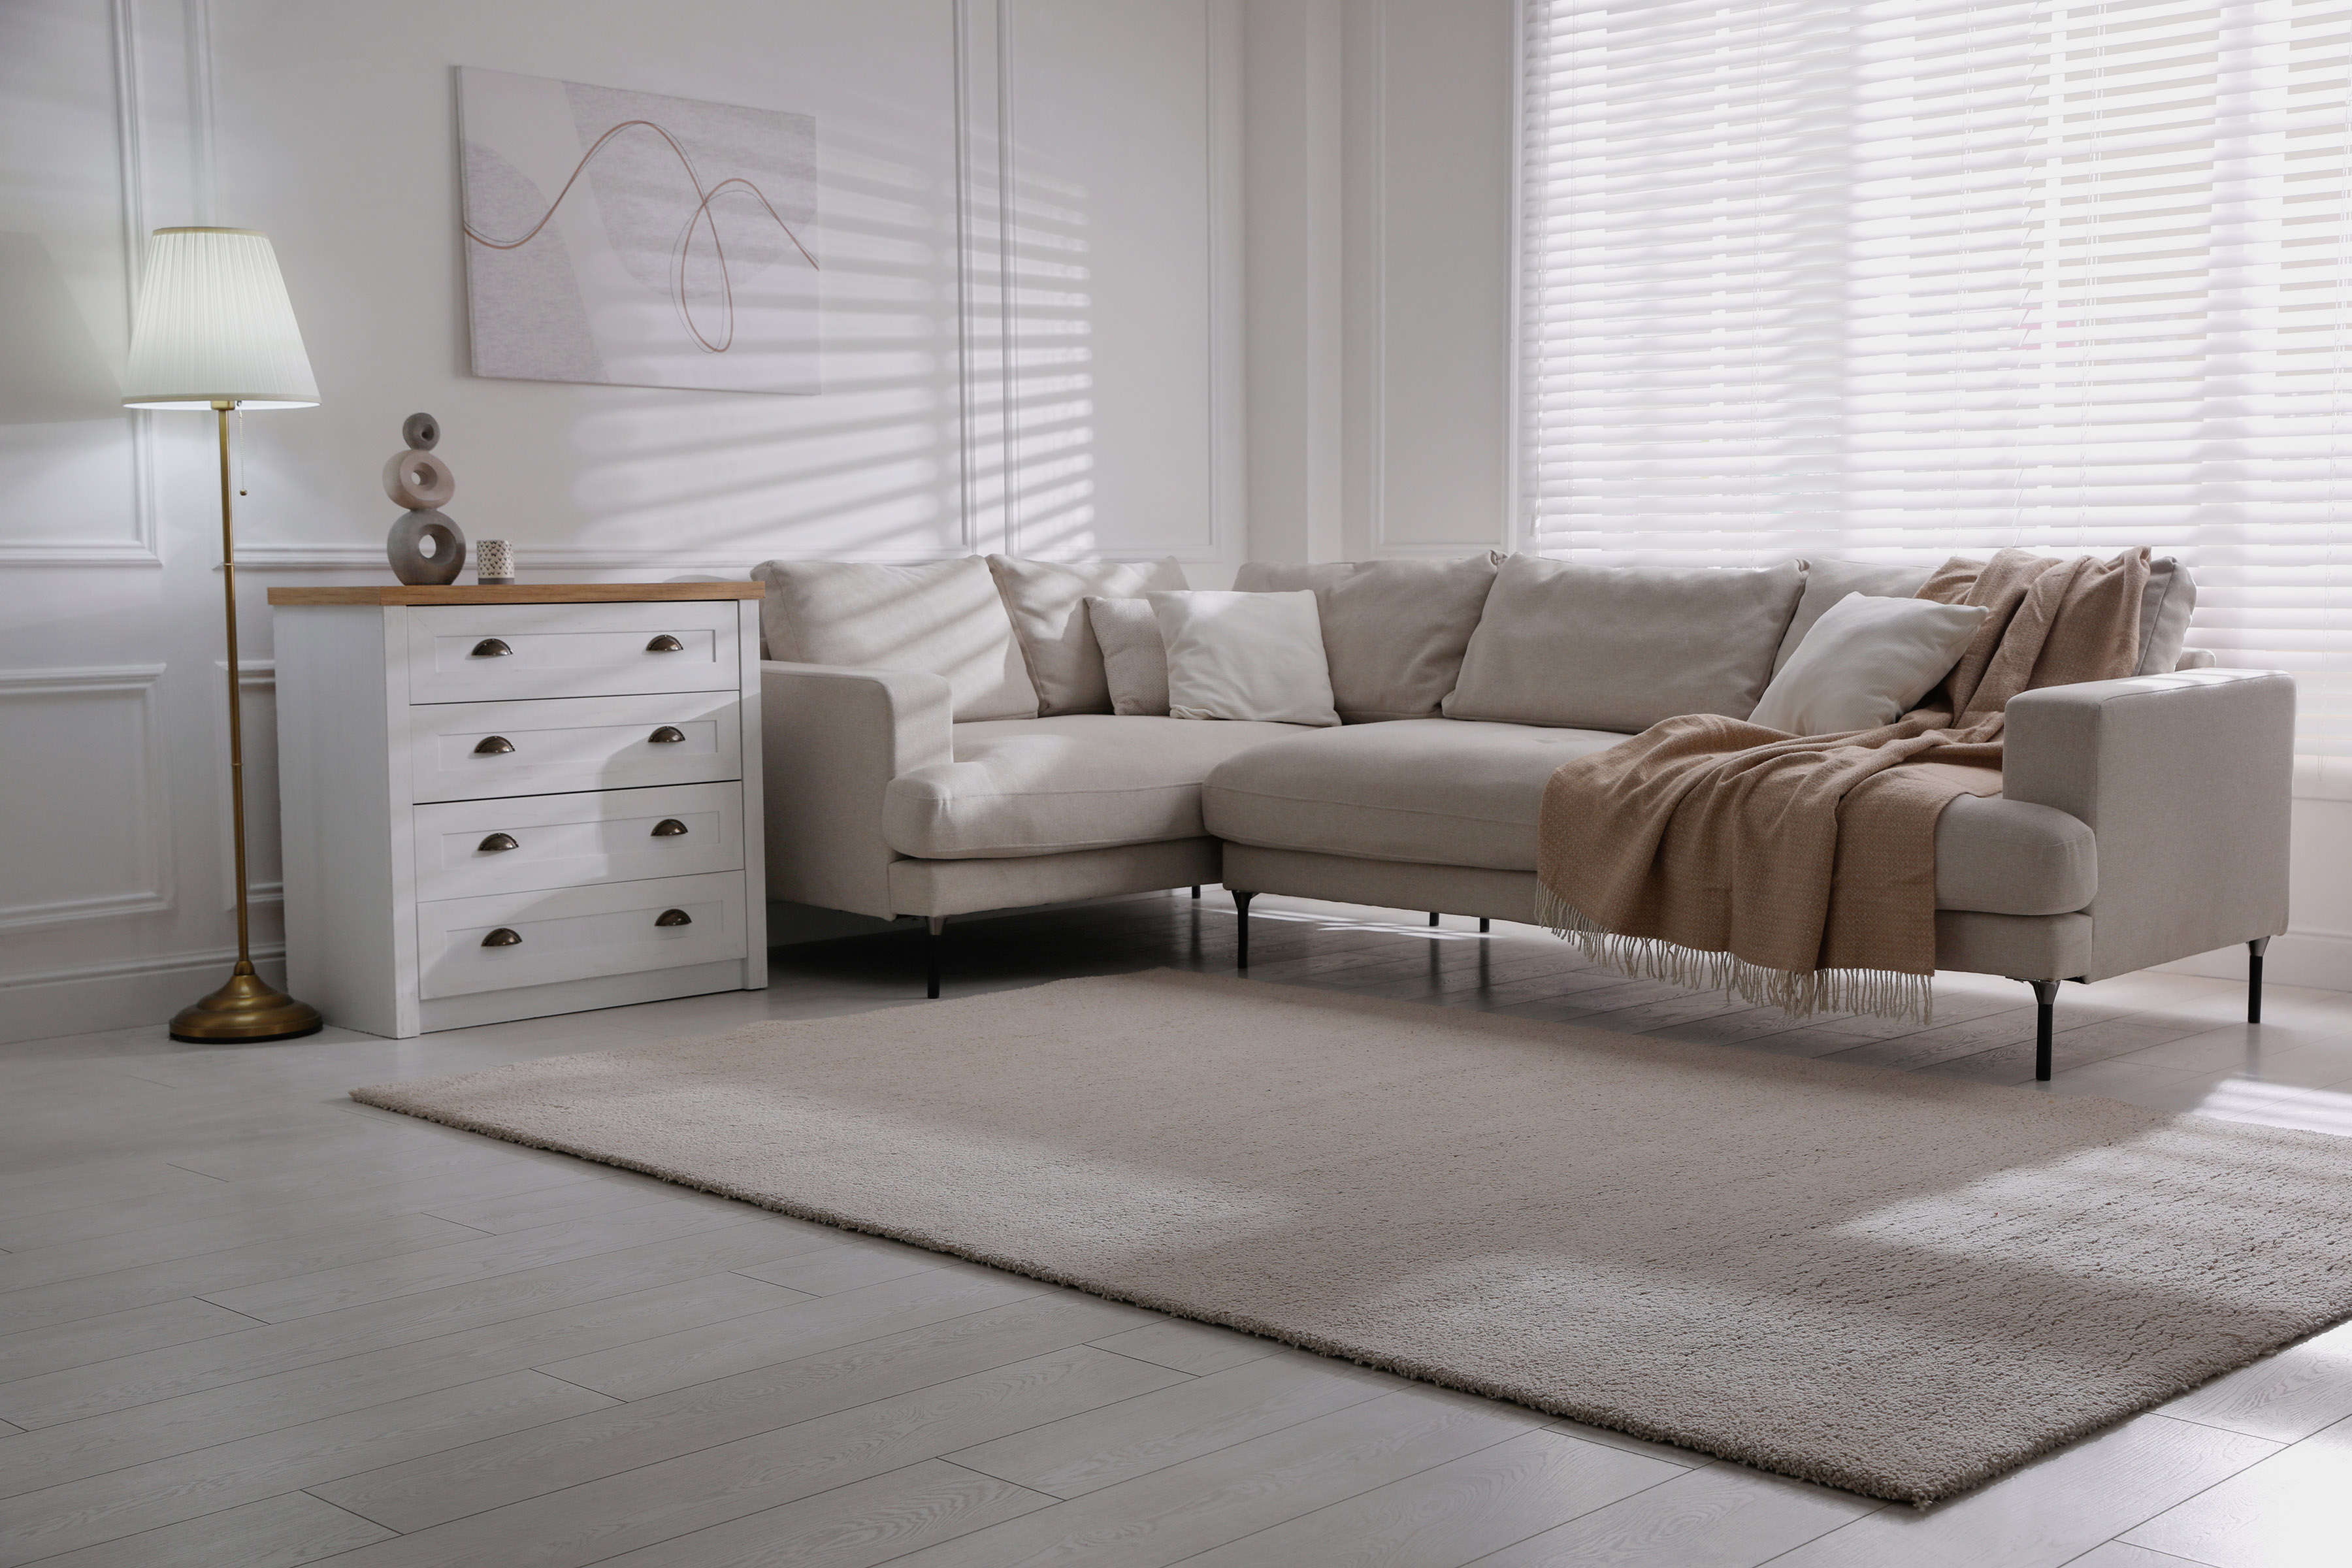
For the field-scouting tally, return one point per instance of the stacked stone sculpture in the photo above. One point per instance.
(422, 482)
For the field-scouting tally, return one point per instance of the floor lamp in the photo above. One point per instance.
(215, 331)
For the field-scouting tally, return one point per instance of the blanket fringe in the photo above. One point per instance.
(1801, 994)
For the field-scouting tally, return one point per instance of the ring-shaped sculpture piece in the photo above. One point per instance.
(416, 478)
(404, 546)
(421, 431)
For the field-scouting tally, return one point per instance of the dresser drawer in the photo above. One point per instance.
(573, 933)
(478, 653)
(469, 751)
(468, 847)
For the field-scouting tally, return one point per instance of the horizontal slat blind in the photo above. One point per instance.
(1897, 279)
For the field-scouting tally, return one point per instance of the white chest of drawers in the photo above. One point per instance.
(504, 803)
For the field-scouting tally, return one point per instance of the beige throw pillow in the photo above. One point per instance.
(1393, 631)
(1866, 662)
(1046, 600)
(1619, 647)
(1134, 654)
(944, 616)
(1245, 656)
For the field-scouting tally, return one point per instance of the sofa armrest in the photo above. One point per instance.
(2184, 779)
(831, 739)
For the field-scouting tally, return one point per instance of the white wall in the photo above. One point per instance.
(1380, 256)
(1031, 228)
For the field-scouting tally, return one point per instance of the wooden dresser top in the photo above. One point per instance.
(518, 594)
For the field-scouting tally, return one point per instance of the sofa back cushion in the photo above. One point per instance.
(2164, 610)
(1619, 647)
(944, 616)
(1048, 601)
(1829, 580)
(1393, 631)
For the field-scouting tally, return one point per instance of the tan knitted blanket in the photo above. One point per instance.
(1800, 872)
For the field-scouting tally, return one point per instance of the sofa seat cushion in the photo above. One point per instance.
(1077, 781)
(1442, 791)
(1450, 791)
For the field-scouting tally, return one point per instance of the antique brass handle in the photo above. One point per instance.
(668, 828)
(673, 918)
(665, 644)
(490, 647)
(668, 735)
(498, 842)
(505, 936)
(492, 746)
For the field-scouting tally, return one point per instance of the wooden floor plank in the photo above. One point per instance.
(2293, 1509)
(1103, 1447)
(654, 1502)
(283, 1532)
(2053, 1510)
(151, 1375)
(802, 1328)
(147, 1496)
(29, 1352)
(1196, 1348)
(1172, 1514)
(215, 1275)
(1450, 1514)
(855, 1526)
(583, 1450)
(466, 1256)
(91, 1447)
(1717, 1516)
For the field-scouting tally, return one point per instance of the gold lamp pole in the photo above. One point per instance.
(215, 330)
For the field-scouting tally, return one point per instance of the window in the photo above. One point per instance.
(1899, 278)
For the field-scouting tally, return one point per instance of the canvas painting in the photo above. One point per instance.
(635, 239)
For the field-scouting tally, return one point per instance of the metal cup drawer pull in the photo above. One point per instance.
(497, 746)
(490, 647)
(668, 735)
(669, 827)
(673, 918)
(665, 644)
(498, 843)
(505, 936)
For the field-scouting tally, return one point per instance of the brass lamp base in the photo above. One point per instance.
(247, 1009)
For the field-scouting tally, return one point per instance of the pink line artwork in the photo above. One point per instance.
(702, 214)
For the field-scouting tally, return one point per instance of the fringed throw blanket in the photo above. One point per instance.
(1801, 873)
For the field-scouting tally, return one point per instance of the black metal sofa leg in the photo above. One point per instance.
(1433, 917)
(932, 945)
(2254, 978)
(2046, 1000)
(1196, 891)
(1241, 907)
(1483, 920)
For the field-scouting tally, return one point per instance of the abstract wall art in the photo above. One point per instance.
(637, 240)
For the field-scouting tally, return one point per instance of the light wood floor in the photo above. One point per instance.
(247, 1322)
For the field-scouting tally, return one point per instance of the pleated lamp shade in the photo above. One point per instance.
(213, 325)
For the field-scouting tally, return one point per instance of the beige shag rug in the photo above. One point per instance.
(1897, 1284)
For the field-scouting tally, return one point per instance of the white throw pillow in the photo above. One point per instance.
(1866, 662)
(1245, 656)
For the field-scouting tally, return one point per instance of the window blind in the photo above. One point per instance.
(1895, 280)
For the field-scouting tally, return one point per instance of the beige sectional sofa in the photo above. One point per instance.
(2142, 820)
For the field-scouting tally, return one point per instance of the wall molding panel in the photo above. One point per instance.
(150, 824)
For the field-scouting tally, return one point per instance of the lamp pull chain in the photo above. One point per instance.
(240, 450)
